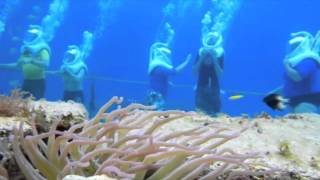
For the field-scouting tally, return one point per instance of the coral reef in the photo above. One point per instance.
(136, 142)
(68, 113)
(14, 105)
(15, 108)
(131, 143)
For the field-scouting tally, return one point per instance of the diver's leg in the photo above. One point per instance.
(36, 88)
(199, 99)
(216, 103)
(66, 96)
(305, 107)
(201, 95)
(41, 88)
(81, 97)
(214, 91)
(78, 97)
(156, 99)
(26, 87)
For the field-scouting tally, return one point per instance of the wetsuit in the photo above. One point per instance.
(208, 87)
(308, 89)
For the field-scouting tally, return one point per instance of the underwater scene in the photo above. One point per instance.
(159, 89)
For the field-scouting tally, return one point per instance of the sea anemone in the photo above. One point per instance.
(128, 143)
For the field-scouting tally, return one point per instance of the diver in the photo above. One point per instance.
(301, 86)
(160, 68)
(208, 67)
(74, 69)
(34, 59)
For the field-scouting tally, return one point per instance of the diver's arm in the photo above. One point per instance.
(292, 73)
(55, 73)
(44, 59)
(41, 64)
(11, 66)
(184, 64)
(79, 75)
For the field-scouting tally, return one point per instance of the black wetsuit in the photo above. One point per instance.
(208, 88)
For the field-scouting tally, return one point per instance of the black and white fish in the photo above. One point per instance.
(276, 101)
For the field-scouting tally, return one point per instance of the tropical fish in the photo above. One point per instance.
(236, 97)
(276, 101)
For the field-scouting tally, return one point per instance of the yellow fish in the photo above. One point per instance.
(236, 97)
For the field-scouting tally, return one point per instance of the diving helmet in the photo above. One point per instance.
(72, 54)
(212, 39)
(300, 42)
(33, 34)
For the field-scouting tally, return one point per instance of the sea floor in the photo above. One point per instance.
(290, 145)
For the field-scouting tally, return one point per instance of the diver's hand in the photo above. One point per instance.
(65, 72)
(287, 65)
(26, 60)
(184, 64)
(188, 59)
(291, 72)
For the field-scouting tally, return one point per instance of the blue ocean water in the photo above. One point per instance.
(255, 45)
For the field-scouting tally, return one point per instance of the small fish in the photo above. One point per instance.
(276, 101)
(236, 97)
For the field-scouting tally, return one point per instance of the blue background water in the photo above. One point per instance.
(255, 45)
